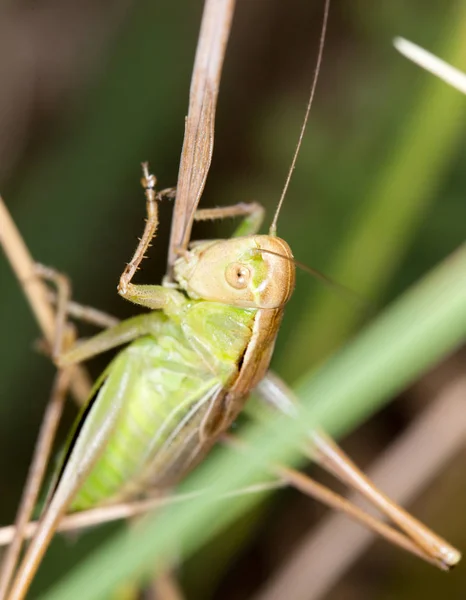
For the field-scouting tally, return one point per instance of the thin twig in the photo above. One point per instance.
(198, 141)
(127, 510)
(36, 292)
(35, 477)
(76, 377)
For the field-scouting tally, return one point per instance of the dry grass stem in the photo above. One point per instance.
(117, 512)
(198, 141)
(35, 477)
(36, 292)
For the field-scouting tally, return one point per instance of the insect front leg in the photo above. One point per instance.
(148, 182)
(253, 215)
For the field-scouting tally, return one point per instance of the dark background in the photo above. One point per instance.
(90, 89)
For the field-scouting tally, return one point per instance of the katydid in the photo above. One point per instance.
(190, 362)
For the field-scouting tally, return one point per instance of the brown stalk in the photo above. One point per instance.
(36, 292)
(128, 510)
(198, 141)
(35, 476)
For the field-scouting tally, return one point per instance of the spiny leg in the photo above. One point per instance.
(253, 214)
(327, 454)
(148, 182)
(150, 296)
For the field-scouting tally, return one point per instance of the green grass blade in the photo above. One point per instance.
(392, 211)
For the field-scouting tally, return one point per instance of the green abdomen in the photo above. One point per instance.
(167, 387)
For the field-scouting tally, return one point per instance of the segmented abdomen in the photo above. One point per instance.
(167, 391)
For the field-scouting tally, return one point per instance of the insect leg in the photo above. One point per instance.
(148, 182)
(154, 297)
(150, 296)
(119, 334)
(115, 334)
(328, 455)
(252, 212)
(335, 461)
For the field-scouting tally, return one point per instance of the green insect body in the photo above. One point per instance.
(167, 390)
(185, 374)
(190, 363)
(170, 390)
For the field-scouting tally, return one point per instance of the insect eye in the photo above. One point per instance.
(237, 275)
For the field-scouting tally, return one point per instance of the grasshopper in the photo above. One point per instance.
(190, 363)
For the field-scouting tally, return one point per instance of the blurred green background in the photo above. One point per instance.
(90, 90)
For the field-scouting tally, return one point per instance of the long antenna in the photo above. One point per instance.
(273, 227)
